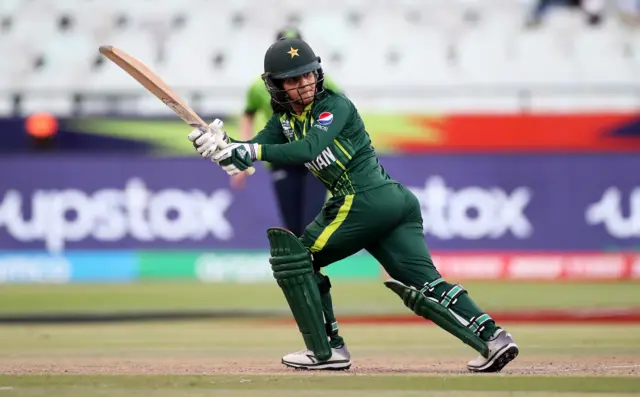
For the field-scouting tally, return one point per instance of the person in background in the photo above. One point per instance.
(299, 194)
(592, 8)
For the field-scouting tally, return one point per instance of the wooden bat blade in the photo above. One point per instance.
(154, 84)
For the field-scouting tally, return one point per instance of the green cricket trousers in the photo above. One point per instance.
(385, 221)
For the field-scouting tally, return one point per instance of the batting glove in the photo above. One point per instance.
(236, 157)
(207, 140)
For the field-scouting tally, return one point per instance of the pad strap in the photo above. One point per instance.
(433, 310)
(429, 287)
(451, 296)
(476, 324)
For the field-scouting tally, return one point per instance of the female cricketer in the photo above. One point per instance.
(368, 210)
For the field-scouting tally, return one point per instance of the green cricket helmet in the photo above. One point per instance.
(289, 57)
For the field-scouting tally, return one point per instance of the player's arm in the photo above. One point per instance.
(251, 107)
(269, 144)
(238, 156)
(246, 126)
(314, 142)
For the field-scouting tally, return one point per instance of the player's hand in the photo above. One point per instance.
(238, 180)
(236, 157)
(208, 140)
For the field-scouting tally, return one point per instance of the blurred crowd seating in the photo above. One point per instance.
(50, 47)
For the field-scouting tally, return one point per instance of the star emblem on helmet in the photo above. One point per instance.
(293, 52)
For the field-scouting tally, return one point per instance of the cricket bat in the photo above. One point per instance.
(152, 82)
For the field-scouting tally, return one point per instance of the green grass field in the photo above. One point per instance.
(238, 358)
(349, 296)
(312, 386)
(232, 358)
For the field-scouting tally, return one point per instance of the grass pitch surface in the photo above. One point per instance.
(349, 297)
(242, 358)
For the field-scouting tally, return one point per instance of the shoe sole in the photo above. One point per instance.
(333, 366)
(500, 360)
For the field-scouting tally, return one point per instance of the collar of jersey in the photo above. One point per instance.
(303, 116)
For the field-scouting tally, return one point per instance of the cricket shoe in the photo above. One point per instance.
(340, 360)
(502, 350)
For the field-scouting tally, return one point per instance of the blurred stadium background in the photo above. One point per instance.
(516, 123)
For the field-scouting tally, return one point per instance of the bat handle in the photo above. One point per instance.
(223, 145)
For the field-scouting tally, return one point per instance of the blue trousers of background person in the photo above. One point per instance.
(299, 194)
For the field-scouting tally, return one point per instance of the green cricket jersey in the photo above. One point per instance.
(330, 139)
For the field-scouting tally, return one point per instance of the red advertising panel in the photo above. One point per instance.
(602, 132)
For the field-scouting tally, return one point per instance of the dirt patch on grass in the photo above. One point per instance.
(378, 364)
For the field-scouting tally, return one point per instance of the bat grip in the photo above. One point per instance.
(222, 144)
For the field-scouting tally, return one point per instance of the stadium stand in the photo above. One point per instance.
(385, 53)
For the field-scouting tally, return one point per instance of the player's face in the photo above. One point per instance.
(301, 89)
